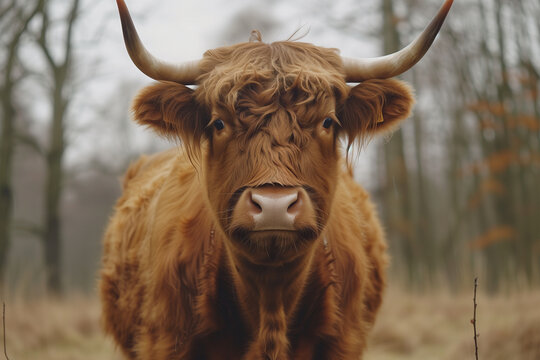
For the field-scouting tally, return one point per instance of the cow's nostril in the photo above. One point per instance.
(274, 208)
(254, 201)
(254, 205)
(293, 205)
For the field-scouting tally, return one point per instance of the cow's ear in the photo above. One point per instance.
(375, 107)
(170, 109)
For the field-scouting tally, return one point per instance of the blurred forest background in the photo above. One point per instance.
(457, 186)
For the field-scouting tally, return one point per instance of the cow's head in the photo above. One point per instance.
(265, 122)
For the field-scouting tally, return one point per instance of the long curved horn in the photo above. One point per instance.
(384, 67)
(185, 73)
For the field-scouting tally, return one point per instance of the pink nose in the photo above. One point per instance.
(274, 207)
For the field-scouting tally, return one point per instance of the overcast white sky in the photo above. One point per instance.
(179, 30)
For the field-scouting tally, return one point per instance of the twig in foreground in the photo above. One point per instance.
(4, 326)
(473, 320)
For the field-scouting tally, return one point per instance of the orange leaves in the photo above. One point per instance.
(529, 82)
(494, 108)
(494, 235)
(495, 116)
(487, 187)
(528, 122)
(523, 121)
(500, 161)
(490, 170)
(494, 163)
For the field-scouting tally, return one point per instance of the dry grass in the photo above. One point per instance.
(48, 329)
(435, 326)
(438, 326)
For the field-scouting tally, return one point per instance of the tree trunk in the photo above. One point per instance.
(7, 143)
(6, 192)
(396, 193)
(53, 189)
(423, 220)
(52, 234)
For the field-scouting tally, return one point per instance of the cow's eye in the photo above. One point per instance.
(219, 124)
(327, 123)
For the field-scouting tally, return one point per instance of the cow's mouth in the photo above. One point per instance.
(305, 234)
(273, 246)
(272, 223)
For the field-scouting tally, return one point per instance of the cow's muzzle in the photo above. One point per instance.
(274, 208)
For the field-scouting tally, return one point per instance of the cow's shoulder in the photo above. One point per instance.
(356, 237)
(360, 245)
(148, 168)
(154, 251)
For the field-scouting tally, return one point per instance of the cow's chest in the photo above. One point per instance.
(314, 317)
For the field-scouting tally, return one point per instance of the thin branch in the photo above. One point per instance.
(5, 10)
(473, 320)
(45, 28)
(15, 42)
(73, 14)
(28, 228)
(42, 41)
(4, 324)
(31, 142)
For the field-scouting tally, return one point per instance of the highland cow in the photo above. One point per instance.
(251, 240)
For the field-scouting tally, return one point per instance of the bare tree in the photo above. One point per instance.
(60, 98)
(14, 21)
(480, 183)
(494, 137)
(397, 202)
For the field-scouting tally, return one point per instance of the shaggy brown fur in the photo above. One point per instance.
(179, 282)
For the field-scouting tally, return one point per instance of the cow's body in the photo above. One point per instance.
(251, 241)
(167, 284)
